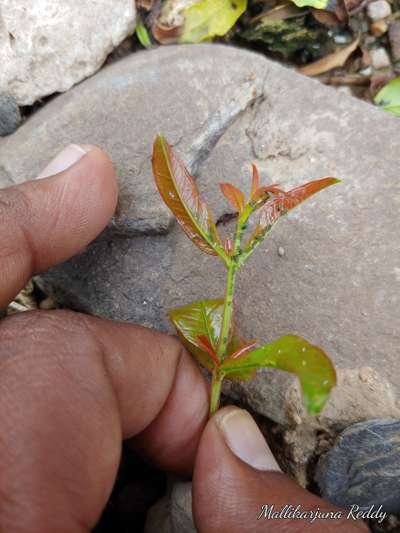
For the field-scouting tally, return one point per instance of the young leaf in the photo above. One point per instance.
(255, 182)
(199, 326)
(276, 207)
(389, 97)
(234, 196)
(295, 355)
(209, 18)
(178, 190)
(199, 318)
(258, 191)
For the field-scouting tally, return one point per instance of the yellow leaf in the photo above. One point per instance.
(210, 18)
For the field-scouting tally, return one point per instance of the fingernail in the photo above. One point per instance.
(246, 441)
(65, 159)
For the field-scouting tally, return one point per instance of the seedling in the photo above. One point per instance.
(206, 328)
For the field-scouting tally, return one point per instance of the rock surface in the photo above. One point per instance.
(173, 513)
(10, 116)
(336, 283)
(48, 46)
(363, 468)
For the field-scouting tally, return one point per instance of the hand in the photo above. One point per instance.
(72, 387)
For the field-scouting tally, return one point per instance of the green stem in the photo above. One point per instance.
(228, 310)
(216, 383)
(232, 263)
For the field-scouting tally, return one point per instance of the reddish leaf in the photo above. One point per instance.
(204, 343)
(274, 208)
(228, 245)
(179, 191)
(234, 196)
(255, 182)
(257, 191)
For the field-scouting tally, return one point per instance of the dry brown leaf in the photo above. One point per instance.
(145, 4)
(325, 17)
(331, 61)
(282, 11)
(165, 34)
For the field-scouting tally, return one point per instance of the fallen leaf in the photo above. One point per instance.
(145, 4)
(210, 18)
(331, 61)
(389, 97)
(280, 12)
(165, 34)
(318, 4)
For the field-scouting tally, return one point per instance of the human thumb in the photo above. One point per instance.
(237, 480)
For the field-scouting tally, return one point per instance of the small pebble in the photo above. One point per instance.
(281, 251)
(48, 303)
(10, 116)
(379, 28)
(380, 58)
(394, 38)
(367, 71)
(379, 10)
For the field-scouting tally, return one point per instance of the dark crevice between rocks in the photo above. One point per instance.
(137, 487)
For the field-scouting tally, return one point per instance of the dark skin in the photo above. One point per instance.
(72, 387)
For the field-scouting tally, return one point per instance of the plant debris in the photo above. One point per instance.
(350, 43)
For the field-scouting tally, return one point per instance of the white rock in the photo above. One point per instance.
(380, 58)
(379, 10)
(46, 46)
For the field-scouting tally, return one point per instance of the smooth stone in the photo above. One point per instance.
(363, 467)
(379, 10)
(10, 116)
(337, 283)
(122, 109)
(380, 58)
(48, 46)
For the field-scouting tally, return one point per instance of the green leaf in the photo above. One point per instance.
(317, 4)
(179, 191)
(204, 318)
(142, 34)
(389, 97)
(292, 354)
(210, 18)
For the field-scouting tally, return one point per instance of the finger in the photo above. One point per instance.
(236, 475)
(46, 221)
(71, 387)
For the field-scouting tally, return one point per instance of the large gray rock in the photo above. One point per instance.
(336, 282)
(10, 116)
(48, 46)
(363, 468)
